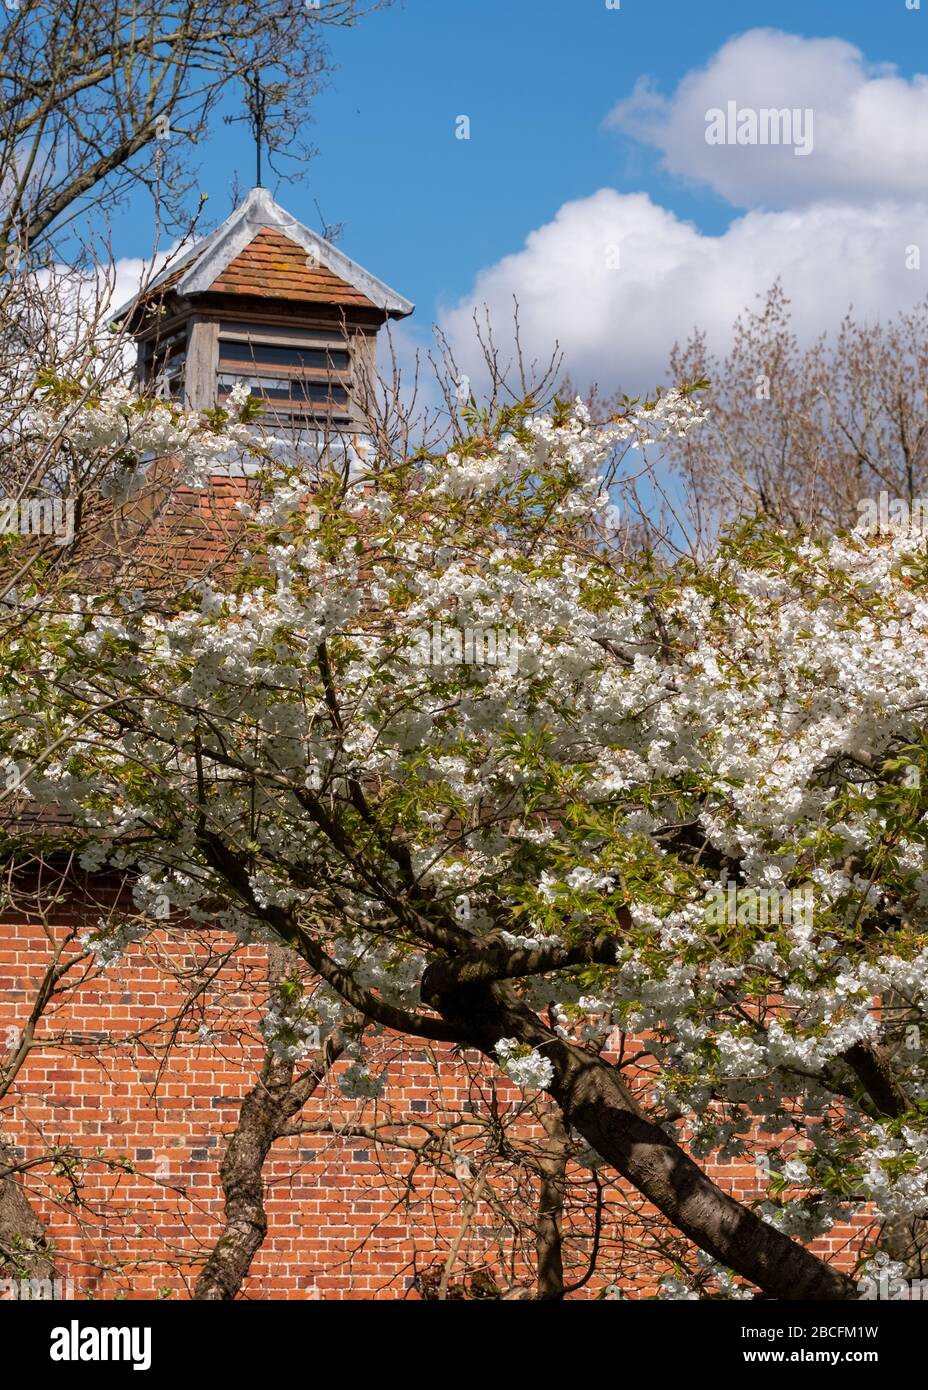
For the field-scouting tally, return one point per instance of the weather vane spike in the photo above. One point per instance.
(257, 107)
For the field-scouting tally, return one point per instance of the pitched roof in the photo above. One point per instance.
(273, 265)
(262, 250)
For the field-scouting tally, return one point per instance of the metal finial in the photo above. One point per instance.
(256, 110)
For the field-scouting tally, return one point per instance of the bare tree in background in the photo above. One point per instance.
(799, 434)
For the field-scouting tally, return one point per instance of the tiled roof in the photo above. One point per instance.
(184, 531)
(273, 265)
(262, 249)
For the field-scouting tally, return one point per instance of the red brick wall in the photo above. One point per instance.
(119, 1074)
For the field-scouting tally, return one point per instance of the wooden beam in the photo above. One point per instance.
(202, 364)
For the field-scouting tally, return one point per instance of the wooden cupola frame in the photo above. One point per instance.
(266, 301)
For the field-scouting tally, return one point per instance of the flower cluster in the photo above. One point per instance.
(360, 1083)
(290, 1035)
(524, 1065)
(108, 942)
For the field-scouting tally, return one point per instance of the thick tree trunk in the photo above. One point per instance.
(245, 1223)
(23, 1248)
(594, 1100)
(264, 1115)
(549, 1251)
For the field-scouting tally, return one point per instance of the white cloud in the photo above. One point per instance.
(870, 126)
(127, 277)
(617, 322)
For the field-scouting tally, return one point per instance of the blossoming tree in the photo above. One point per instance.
(512, 835)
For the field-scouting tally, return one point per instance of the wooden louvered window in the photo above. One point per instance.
(301, 359)
(303, 375)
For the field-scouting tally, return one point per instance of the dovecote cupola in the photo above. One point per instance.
(265, 301)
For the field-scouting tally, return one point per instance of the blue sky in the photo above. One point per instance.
(431, 214)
